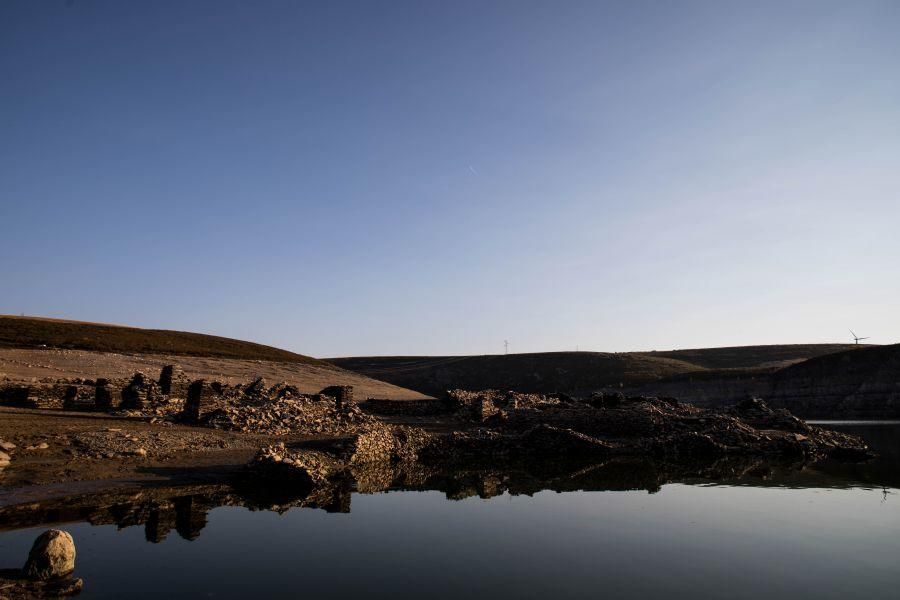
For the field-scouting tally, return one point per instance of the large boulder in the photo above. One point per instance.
(51, 556)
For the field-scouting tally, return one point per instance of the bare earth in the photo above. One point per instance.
(47, 448)
(22, 365)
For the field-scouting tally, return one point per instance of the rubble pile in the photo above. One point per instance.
(280, 409)
(143, 396)
(480, 406)
(309, 467)
(378, 444)
(521, 424)
(384, 443)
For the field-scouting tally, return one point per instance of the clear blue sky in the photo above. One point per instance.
(342, 178)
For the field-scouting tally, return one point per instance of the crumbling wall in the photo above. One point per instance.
(342, 394)
(140, 392)
(35, 395)
(203, 397)
(104, 398)
(173, 382)
(79, 397)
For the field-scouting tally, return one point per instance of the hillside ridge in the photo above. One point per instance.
(577, 372)
(37, 332)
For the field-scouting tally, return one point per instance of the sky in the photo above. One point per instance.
(361, 178)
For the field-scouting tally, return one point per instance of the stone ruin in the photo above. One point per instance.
(483, 405)
(173, 382)
(254, 407)
(103, 396)
(342, 394)
(203, 398)
(79, 397)
(278, 409)
(139, 392)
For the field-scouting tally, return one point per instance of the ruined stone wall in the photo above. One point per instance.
(79, 397)
(342, 394)
(173, 382)
(203, 397)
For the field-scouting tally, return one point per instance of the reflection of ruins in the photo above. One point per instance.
(161, 509)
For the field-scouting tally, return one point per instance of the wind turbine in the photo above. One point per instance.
(856, 338)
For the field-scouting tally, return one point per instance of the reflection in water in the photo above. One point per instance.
(184, 508)
(629, 528)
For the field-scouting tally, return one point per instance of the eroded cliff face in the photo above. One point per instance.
(860, 384)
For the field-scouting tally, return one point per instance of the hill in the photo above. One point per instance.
(748, 357)
(37, 349)
(545, 372)
(36, 332)
(572, 372)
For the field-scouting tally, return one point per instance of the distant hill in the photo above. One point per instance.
(576, 372)
(35, 332)
(745, 357)
(545, 372)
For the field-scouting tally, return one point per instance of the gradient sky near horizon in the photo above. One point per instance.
(350, 178)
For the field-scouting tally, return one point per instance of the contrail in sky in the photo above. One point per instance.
(474, 172)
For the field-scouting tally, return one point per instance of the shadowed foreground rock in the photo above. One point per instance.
(51, 556)
(47, 572)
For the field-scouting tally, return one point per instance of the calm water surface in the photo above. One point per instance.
(772, 531)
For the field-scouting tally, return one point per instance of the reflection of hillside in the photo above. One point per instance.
(185, 508)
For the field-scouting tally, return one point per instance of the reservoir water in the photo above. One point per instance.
(627, 529)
